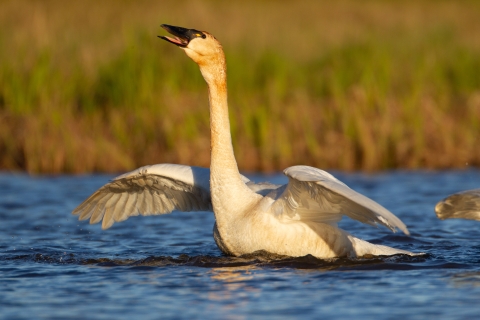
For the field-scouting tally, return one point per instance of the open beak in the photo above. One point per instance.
(182, 36)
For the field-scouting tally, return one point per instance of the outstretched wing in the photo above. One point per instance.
(315, 195)
(464, 205)
(149, 190)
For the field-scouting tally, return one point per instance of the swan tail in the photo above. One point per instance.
(364, 248)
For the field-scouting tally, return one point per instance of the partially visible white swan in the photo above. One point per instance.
(462, 205)
(295, 219)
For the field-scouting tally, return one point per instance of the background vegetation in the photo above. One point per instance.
(371, 85)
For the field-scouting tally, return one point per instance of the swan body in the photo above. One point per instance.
(295, 219)
(462, 205)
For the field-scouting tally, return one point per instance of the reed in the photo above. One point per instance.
(87, 86)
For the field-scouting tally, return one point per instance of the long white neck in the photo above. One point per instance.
(230, 195)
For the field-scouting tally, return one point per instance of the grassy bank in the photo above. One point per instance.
(372, 85)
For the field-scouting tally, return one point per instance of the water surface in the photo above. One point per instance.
(53, 266)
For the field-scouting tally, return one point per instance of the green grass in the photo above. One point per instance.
(400, 96)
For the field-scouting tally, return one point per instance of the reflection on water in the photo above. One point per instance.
(168, 266)
(232, 274)
(466, 279)
(233, 286)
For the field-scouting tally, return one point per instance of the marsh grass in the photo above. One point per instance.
(347, 86)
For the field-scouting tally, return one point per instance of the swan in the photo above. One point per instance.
(295, 219)
(462, 205)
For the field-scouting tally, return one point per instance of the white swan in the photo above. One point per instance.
(462, 205)
(295, 219)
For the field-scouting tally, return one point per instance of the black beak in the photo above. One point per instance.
(182, 35)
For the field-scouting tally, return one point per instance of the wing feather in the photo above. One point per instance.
(149, 203)
(141, 205)
(157, 202)
(315, 195)
(99, 210)
(129, 209)
(120, 207)
(108, 217)
(149, 190)
(97, 214)
(89, 208)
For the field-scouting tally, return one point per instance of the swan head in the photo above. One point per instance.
(200, 46)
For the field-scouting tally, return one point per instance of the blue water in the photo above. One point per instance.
(53, 266)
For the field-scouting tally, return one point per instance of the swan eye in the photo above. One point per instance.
(203, 36)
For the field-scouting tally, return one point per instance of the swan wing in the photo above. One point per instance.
(149, 190)
(464, 205)
(315, 195)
